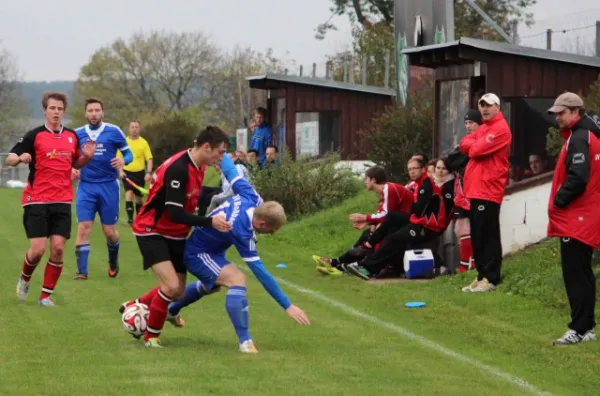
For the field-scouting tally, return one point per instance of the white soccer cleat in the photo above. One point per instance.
(47, 302)
(248, 347)
(22, 289)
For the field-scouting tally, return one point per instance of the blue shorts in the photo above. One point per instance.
(101, 198)
(205, 266)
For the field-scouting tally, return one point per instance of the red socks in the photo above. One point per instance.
(467, 261)
(147, 298)
(51, 275)
(28, 268)
(158, 314)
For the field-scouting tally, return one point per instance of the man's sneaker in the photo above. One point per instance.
(22, 289)
(473, 285)
(153, 342)
(80, 276)
(483, 286)
(358, 271)
(324, 266)
(175, 320)
(248, 347)
(569, 338)
(589, 335)
(47, 302)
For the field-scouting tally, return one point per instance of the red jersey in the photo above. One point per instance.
(488, 149)
(394, 198)
(434, 208)
(177, 181)
(52, 156)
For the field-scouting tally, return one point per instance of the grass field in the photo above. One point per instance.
(362, 339)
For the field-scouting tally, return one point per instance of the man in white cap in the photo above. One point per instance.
(573, 211)
(485, 178)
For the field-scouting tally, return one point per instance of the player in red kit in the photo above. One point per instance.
(164, 221)
(51, 151)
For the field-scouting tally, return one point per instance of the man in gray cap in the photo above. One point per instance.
(573, 212)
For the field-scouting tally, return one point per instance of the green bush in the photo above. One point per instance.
(170, 135)
(394, 136)
(306, 186)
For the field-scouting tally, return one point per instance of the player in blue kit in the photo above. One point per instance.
(98, 190)
(205, 256)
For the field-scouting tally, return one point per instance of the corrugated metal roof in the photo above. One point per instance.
(511, 49)
(324, 83)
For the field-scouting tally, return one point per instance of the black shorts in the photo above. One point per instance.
(44, 220)
(461, 213)
(156, 249)
(137, 178)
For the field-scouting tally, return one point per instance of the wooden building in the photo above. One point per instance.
(329, 113)
(527, 80)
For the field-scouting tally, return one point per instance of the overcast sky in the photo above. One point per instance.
(51, 40)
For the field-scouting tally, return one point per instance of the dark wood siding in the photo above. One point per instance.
(356, 110)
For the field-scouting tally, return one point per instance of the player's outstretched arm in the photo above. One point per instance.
(239, 185)
(88, 149)
(272, 287)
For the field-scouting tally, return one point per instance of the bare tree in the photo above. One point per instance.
(578, 45)
(12, 106)
(151, 72)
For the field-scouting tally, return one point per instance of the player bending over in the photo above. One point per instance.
(165, 220)
(205, 256)
(52, 151)
(98, 190)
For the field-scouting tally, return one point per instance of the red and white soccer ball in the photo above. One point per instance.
(135, 319)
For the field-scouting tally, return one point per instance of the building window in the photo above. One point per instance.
(317, 134)
(529, 123)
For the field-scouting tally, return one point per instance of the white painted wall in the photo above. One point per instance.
(524, 218)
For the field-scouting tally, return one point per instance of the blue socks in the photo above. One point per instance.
(113, 254)
(193, 293)
(237, 308)
(82, 252)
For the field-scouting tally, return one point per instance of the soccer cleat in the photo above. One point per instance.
(113, 271)
(471, 286)
(47, 302)
(130, 222)
(175, 320)
(571, 337)
(356, 270)
(248, 347)
(123, 306)
(324, 266)
(80, 276)
(483, 286)
(22, 289)
(153, 342)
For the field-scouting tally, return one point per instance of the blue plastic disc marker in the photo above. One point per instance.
(415, 304)
(281, 265)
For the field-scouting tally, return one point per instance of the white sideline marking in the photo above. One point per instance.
(520, 383)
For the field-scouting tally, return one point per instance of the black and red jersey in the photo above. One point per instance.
(434, 208)
(177, 181)
(52, 156)
(394, 198)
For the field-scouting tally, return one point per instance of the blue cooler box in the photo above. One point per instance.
(418, 263)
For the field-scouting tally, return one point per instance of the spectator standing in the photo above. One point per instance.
(485, 180)
(573, 212)
(262, 135)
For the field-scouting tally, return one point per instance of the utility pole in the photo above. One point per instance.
(549, 39)
(515, 35)
(598, 38)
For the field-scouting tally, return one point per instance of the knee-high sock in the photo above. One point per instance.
(51, 275)
(158, 314)
(237, 308)
(467, 262)
(113, 254)
(129, 210)
(82, 253)
(193, 293)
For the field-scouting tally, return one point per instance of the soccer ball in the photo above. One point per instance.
(135, 319)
